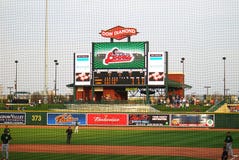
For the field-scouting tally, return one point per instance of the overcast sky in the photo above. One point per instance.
(202, 31)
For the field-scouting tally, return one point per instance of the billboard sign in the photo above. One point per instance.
(107, 119)
(12, 118)
(192, 120)
(148, 120)
(118, 32)
(82, 69)
(156, 68)
(65, 119)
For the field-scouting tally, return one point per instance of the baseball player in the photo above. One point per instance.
(224, 153)
(228, 142)
(76, 127)
(68, 135)
(6, 129)
(5, 138)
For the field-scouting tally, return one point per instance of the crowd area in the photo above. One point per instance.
(184, 102)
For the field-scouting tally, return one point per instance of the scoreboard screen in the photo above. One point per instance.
(119, 55)
(119, 63)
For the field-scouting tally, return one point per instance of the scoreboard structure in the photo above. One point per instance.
(118, 65)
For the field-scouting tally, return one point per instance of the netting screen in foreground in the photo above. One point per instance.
(34, 34)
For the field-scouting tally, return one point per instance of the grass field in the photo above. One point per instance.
(115, 137)
(88, 136)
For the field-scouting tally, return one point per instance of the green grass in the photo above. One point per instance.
(91, 136)
(51, 156)
(88, 136)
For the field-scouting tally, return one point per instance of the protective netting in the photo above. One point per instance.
(200, 31)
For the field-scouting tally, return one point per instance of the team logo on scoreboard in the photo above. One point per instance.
(116, 56)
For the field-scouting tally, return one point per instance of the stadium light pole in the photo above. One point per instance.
(46, 55)
(16, 61)
(56, 64)
(182, 61)
(207, 87)
(224, 79)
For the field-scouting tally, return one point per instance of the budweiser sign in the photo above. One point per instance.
(118, 32)
(107, 119)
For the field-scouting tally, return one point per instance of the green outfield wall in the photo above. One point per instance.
(216, 120)
(227, 120)
(36, 118)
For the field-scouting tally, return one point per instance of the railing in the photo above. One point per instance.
(216, 106)
(107, 102)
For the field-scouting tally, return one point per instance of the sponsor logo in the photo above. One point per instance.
(210, 122)
(106, 119)
(118, 32)
(116, 56)
(64, 118)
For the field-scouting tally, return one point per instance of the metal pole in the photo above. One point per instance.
(46, 55)
(16, 61)
(166, 75)
(224, 79)
(207, 87)
(56, 63)
(182, 61)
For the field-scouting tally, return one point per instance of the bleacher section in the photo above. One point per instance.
(111, 108)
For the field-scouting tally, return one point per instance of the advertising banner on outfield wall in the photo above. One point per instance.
(148, 120)
(12, 118)
(66, 119)
(193, 120)
(107, 119)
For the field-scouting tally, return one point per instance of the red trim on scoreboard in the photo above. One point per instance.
(107, 119)
(118, 32)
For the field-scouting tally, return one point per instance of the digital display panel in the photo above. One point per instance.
(82, 69)
(114, 77)
(119, 55)
(156, 68)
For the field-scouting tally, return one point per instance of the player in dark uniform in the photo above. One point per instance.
(5, 138)
(6, 129)
(228, 142)
(68, 135)
(224, 153)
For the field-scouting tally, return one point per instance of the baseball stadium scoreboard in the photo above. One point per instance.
(120, 64)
